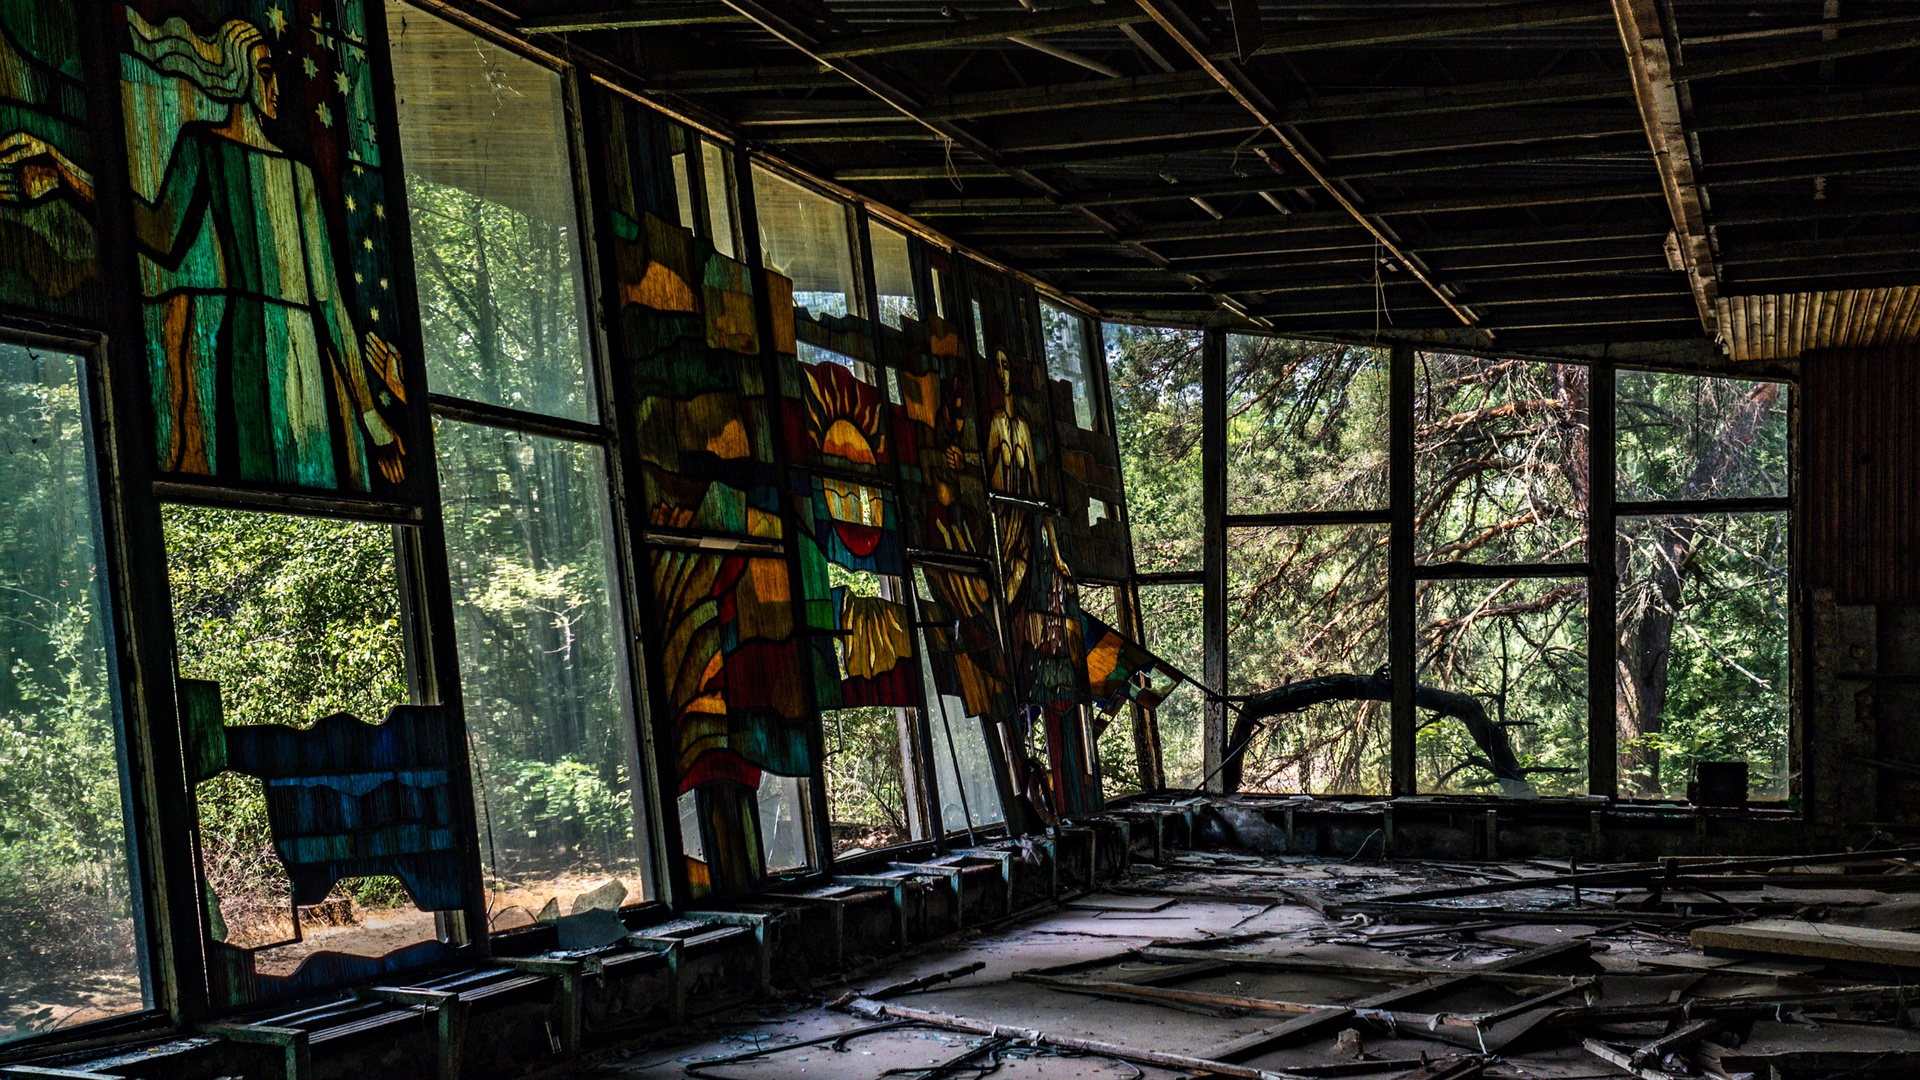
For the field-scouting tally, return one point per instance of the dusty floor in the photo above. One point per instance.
(1267, 957)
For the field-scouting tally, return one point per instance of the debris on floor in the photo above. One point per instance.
(1290, 967)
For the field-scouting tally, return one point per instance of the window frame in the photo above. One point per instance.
(601, 432)
(1406, 573)
(161, 866)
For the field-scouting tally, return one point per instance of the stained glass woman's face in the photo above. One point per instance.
(266, 85)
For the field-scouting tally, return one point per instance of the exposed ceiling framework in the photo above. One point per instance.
(1569, 175)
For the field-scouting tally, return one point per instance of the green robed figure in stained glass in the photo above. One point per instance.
(254, 350)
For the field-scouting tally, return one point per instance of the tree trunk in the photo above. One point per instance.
(1645, 642)
(1490, 737)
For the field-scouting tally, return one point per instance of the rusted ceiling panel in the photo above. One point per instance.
(1785, 325)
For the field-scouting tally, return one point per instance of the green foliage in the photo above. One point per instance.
(1501, 476)
(66, 930)
(866, 785)
(296, 618)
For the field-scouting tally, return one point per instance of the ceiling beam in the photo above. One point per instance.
(1811, 109)
(1858, 43)
(639, 18)
(1645, 36)
(975, 31)
(1173, 17)
(785, 20)
(1389, 31)
(1485, 200)
(753, 80)
(1075, 95)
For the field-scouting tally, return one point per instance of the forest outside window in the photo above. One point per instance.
(1067, 361)
(525, 498)
(1702, 550)
(294, 620)
(68, 911)
(495, 235)
(1154, 375)
(1500, 523)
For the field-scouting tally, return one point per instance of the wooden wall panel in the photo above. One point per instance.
(1860, 499)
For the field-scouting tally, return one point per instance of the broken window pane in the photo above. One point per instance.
(1500, 452)
(295, 619)
(966, 788)
(803, 236)
(870, 802)
(1306, 426)
(783, 822)
(718, 161)
(1066, 336)
(1155, 376)
(67, 911)
(490, 198)
(1690, 437)
(1703, 656)
(1171, 615)
(892, 274)
(553, 752)
(1301, 603)
(1509, 659)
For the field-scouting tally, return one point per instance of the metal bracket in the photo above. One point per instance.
(672, 949)
(568, 973)
(954, 878)
(449, 1014)
(759, 923)
(292, 1042)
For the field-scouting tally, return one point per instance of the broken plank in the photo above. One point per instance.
(874, 1010)
(1818, 941)
(1614, 1057)
(1654, 873)
(1678, 1039)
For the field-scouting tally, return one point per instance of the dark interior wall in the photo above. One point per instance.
(1859, 520)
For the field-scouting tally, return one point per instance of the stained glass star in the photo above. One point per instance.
(374, 314)
(313, 69)
(325, 114)
(278, 19)
(340, 80)
(380, 211)
(352, 204)
(367, 243)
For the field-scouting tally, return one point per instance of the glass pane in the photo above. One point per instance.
(1703, 656)
(1306, 426)
(296, 618)
(1305, 602)
(1171, 615)
(1155, 375)
(967, 790)
(783, 822)
(1511, 656)
(892, 274)
(490, 196)
(803, 236)
(1500, 452)
(682, 179)
(719, 165)
(1066, 338)
(66, 906)
(553, 752)
(1691, 437)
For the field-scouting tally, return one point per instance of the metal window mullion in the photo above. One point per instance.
(1603, 587)
(1213, 486)
(1400, 569)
